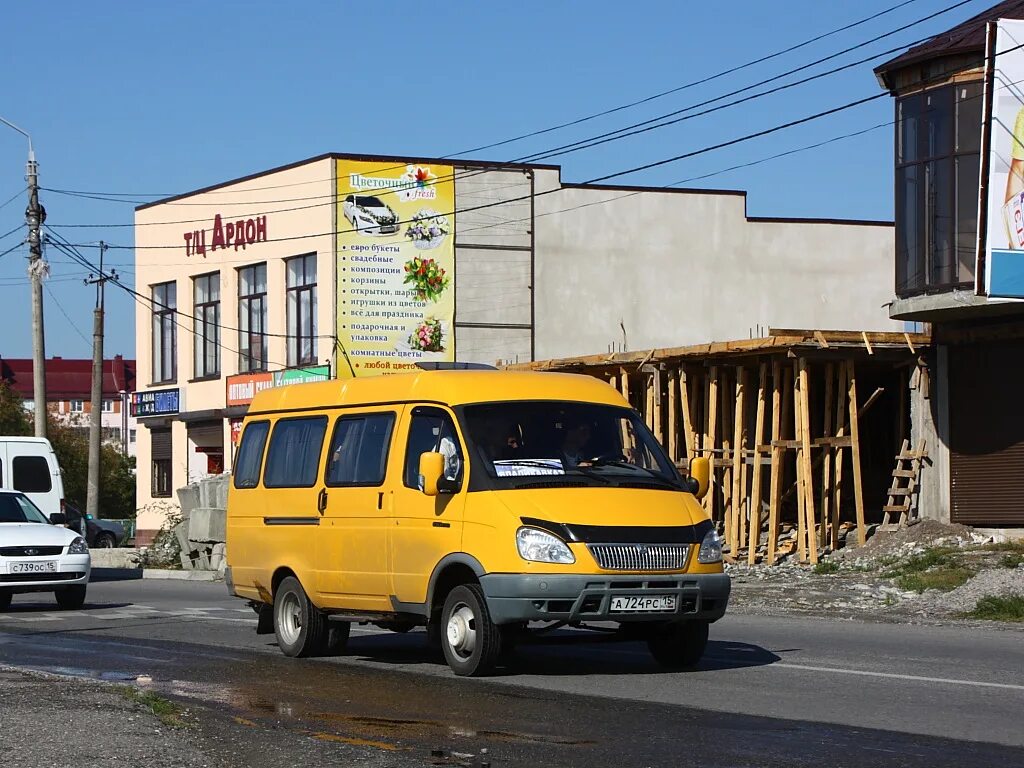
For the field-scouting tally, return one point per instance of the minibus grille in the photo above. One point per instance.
(640, 557)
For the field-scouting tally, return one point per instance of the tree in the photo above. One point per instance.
(71, 444)
(14, 419)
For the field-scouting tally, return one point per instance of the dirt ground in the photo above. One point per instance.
(926, 573)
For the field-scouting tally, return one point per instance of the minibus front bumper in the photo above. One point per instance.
(513, 598)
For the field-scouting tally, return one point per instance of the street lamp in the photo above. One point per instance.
(34, 217)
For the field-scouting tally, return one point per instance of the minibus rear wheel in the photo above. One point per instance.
(679, 645)
(301, 628)
(470, 640)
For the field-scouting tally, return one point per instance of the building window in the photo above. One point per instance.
(938, 138)
(252, 318)
(77, 406)
(108, 406)
(165, 337)
(301, 309)
(160, 441)
(206, 300)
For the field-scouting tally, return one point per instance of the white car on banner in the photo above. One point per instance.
(369, 215)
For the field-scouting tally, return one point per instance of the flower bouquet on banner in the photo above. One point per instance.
(427, 229)
(428, 338)
(427, 278)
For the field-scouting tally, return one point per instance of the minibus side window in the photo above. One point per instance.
(293, 459)
(31, 474)
(432, 430)
(359, 449)
(250, 454)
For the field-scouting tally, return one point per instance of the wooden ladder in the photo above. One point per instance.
(908, 467)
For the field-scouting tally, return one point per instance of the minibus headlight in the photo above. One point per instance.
(710, 549)
(541, 547)
(78, 547)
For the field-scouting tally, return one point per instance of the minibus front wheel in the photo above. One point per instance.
(470, 640)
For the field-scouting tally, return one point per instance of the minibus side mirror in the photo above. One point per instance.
(431, 472)
(700, 476)
(58, 518)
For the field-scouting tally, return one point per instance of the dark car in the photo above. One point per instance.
(101, 534)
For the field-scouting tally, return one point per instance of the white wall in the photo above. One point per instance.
(681, 268)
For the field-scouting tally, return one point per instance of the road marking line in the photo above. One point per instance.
(895, 676)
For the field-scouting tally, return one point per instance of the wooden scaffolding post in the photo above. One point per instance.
(738, 444)
(858, 488)
(656, 409)
(755, 494)
(673, 422)
(780, 416)
(648, 384)
(801, 497)
(711, 425)
(837, 484)
(624, 383)
(805, 457)
(684, 406)
(727, 448)
(826, 473)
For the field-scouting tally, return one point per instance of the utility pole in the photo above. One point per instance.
(35, 215)
(96, 415)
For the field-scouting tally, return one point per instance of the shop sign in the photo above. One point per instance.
(226, 234)
(155, 402)
(236, 431)
(241, 389)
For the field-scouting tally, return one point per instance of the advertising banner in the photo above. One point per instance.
(1004, 249)
(242, 388)
(396, 265)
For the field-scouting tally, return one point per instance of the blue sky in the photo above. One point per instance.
(160, 98)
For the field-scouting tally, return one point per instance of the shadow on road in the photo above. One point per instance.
(115, 574)
(50, 606)
(561, 654)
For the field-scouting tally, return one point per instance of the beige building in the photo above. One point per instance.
(345, 265)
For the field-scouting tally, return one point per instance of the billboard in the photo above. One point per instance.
(396, 265)
(1004, 246)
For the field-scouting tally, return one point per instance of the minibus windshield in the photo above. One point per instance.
(525, 444)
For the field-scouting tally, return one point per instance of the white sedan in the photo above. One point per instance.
(369, 215)
(40, 555)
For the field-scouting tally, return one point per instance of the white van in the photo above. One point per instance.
(29, 465)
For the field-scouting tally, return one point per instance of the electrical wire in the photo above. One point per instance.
(582, 144)
(14, 197)
(550, 129)
(71, 322)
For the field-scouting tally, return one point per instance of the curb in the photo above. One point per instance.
(160, 573)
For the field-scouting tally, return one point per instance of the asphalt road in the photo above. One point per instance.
(771, 691)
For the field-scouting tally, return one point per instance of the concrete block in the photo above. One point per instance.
(181, 534)
(220, 491)
(202, 561)
(121, 557)
(217, 559)
(188, 498)
(186, 560)
(187, 575)
(207, 524)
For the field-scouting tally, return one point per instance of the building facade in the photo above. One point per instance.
(69, 394)
(959, 262)
(346, 265)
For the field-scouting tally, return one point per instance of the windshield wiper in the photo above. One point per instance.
(607, 461)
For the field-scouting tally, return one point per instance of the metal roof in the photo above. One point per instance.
(968, 37)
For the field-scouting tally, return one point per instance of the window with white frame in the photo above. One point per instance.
(252, 318)
(165, 337)
(206, 304)
(301, 309)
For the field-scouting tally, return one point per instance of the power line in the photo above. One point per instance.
(14, 197)
(582, 144)
(71, 322)
(626, 172)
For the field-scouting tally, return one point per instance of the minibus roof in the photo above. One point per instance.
(446, 387)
